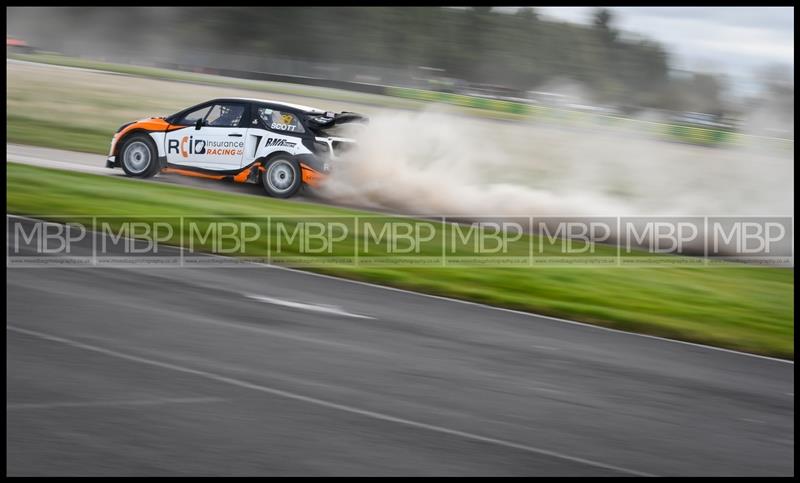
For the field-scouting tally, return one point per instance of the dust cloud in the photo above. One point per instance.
(435, 162)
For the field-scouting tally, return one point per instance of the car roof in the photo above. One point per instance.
(298, 107)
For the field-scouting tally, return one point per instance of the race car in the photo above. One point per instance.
(280, 145)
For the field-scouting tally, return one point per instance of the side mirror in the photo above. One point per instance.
(198, 124)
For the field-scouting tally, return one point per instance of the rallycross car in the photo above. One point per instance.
(283, 146)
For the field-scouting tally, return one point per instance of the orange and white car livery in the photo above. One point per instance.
(282, 146)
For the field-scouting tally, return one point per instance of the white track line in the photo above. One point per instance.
(477, 304)
(325, 309)
(95, 404)
(321, 402)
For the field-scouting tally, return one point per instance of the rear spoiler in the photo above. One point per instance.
(330, 119)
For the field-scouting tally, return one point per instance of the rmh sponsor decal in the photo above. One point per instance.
(279, 142)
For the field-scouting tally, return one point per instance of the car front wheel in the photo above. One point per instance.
(139, 156)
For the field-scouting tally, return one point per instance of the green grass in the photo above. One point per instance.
(39, 132)
(737, 307)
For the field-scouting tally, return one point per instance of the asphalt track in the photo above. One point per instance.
(261, 370)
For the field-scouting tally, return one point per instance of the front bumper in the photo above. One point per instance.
(112, 162)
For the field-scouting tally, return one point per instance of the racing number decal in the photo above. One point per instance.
(286, 124)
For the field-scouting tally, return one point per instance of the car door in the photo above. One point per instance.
(218, 143)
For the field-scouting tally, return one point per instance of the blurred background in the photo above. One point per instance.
(604, 60)
(543, 111)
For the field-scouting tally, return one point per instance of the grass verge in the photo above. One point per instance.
(221, 81)
(26, 130)
(743, 308)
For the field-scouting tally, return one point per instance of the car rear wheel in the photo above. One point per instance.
(282, 177)
(139, 157)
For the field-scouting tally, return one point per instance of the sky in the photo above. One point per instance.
(733, 40)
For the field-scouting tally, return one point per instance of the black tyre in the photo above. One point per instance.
(139, 156)
(282, 178)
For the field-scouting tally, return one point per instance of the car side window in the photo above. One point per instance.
(192, 117)
(280, 120)
(224, 115)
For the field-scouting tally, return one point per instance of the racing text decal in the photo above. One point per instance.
(189, 146)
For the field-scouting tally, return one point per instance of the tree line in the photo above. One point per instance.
(478, 45)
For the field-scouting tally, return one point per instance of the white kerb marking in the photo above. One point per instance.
(325, 309)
